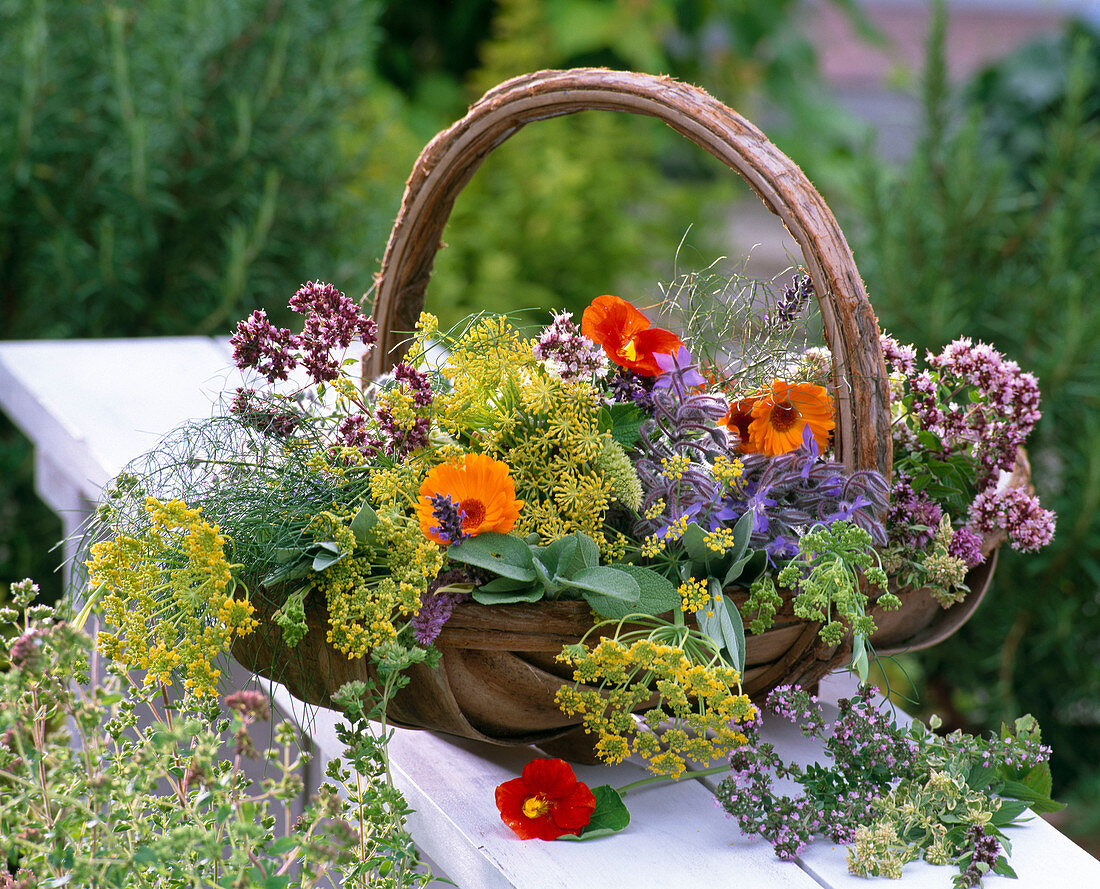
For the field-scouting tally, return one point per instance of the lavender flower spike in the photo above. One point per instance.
(449, 515)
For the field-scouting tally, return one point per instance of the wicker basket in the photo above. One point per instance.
(497, 678)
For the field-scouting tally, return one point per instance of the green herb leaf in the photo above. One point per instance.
(742, 531)
(610, 815)
(499, 553)
(1009, 811)
(694, 543)
(588, 553)
(980, 777)
(657, 595)
(724, 626)
(604, 581)
(736, 569)
(624, 422)
(289, 572)
(364, 520)
(484, 597)
(504, 585)
(329, 556)
(1037, 801)
(1039, 779)
(860, 662)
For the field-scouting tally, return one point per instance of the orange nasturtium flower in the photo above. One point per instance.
(780, 416)
(546, 801)
(480, 486)
(626, 335)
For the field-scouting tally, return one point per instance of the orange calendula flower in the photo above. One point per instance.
(480, 487)
(738, 421)
(546, 801)
(626, 335)
(780, 416)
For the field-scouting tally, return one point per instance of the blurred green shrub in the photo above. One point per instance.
(172, 165)
(578, 206)
(167, 167)
(992, 230)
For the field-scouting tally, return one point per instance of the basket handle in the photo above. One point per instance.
(451, 158)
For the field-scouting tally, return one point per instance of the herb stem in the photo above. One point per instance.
(698, 773)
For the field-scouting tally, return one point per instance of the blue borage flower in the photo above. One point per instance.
(785, 494)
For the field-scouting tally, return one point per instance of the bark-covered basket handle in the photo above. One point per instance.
(452, 157)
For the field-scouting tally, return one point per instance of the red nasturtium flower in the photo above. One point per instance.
(480, 486)
(546, 801)
(780, 416)
(626, 335)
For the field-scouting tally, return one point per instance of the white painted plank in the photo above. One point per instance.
(677, 836)
(94, 405)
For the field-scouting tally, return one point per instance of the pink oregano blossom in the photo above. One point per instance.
(333, 322)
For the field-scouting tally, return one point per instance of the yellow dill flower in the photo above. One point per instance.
(673, 467)
(427, 325)
(319, 463)
(169, 596)
(485, 368)
(537, 391)
(694, 595)
(612, 748)
(720, 540)
(676, 529)
(329, 525)
(727, 471)
(699, 704)
(397, 486)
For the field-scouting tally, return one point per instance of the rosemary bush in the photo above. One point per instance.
(991, 230)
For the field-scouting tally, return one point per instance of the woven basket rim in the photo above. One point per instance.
(448, 162)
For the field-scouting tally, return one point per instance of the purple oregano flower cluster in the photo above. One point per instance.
(396, 439)
(399, 440)
(785, 494)
(332, 322)
(979, 404)
(263, 413)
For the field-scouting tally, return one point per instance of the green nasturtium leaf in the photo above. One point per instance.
(610, 815)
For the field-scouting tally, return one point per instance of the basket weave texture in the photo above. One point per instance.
(498, 675)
